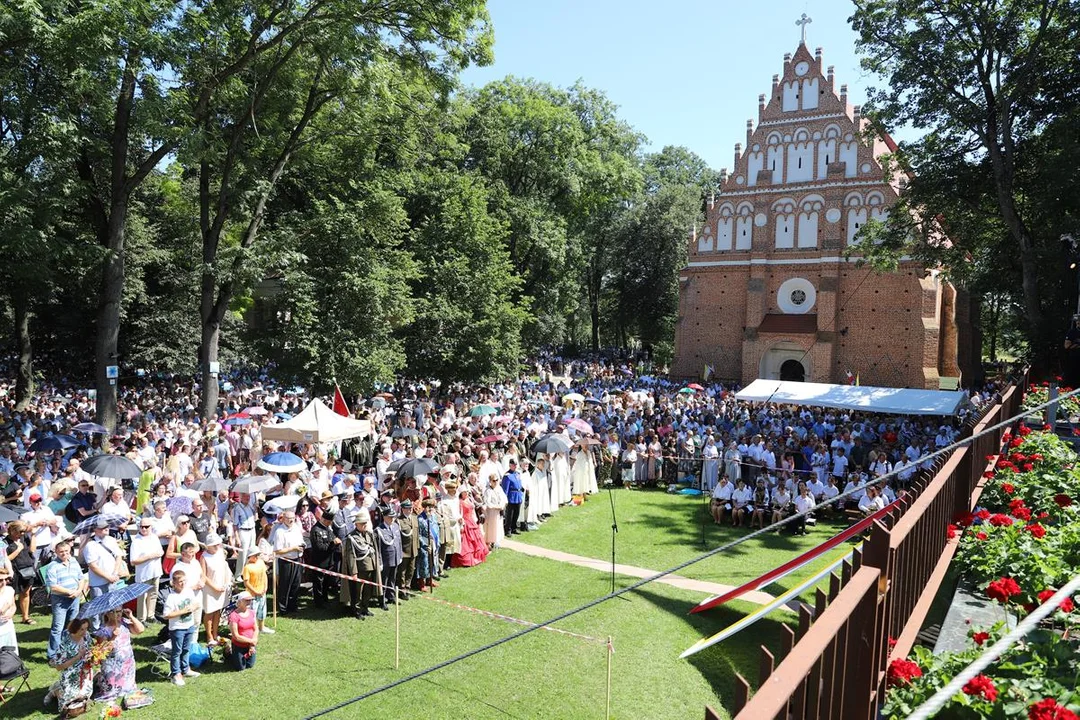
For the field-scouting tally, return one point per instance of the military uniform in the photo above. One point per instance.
(388, 537)
(360, 559)
(410, 546)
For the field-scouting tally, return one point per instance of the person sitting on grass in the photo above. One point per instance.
(243, 628)
(740, 501)
(721, 500)
(759, 503)
(804, 502)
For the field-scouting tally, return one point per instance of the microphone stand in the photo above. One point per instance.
(614, 532)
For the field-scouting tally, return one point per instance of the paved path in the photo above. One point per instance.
(708, 588)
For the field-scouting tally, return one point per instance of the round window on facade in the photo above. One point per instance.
(796, 296)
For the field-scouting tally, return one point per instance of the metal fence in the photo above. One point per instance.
(833, 665)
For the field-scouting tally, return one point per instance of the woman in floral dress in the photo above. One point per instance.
(76, 680)
(117, 675)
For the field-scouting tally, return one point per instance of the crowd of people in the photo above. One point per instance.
(448, 472)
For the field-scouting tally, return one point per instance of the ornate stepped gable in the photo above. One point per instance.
(768, 291)
(807, 179)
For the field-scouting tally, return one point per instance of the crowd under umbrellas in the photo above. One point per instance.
(458, 467)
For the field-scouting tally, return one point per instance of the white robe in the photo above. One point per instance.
(532, 516)
(560, 469)
(494, 504)
(710, 466)
(583, 475)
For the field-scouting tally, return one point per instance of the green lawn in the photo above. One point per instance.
(658, 530)
(318, 659)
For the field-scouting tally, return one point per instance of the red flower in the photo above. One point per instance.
(1063, 500)
(1035, 457)
(1042, 515)
(1018, 457)
(892, 642)
(980, 637)
(992, 458)
(1066, 605)
(999, 520)
(963, 519)
(1024, 431)
(902, 672)
(1016, 442)
(983, 514)
(988, 474)
(1076, 432)
(1046, 427)
(1028, 467)
(1036, 529)
(980, 685)
(981, 536)
(950, 532)
(1048, 709)
(1002, 589)
(1016, 503)
(1009, 488)
(1022, 514)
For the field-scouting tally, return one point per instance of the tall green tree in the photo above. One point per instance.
(982, 78)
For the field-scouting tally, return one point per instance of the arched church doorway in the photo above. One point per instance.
(793, 370)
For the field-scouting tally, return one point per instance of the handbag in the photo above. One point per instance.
(26, 574)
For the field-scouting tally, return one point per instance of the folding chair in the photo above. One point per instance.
(14, 675)
(161, 664)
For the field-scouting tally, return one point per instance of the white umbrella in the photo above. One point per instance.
(280, 504)
(257, 411)
(574, 397)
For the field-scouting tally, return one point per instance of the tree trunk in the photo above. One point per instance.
(208, 353)
(108, 319)
(24, 377)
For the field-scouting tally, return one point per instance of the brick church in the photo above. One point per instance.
(767, 291)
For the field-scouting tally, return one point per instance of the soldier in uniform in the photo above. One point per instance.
(360, 559)
(410, 546)
(388, 537)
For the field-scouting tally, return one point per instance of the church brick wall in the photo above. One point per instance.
(774, 242)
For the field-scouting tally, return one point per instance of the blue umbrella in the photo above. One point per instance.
(10, 513)
(179, 505)
(237, 421)
(53, 442)
(91, 428)
(284, 462)
(115, 520)
(283, 416)
(112, 600)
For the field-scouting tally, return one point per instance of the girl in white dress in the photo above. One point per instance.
(584, 473)
(217, 578)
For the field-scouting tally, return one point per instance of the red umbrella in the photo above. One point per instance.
(695, 386)
(241, 414)
(493, 438)
(580, 425)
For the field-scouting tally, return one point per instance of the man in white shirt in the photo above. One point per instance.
(242, 520)
(840, 463)
(103, 558)
(146, 553)
(287, 540)
(871, 502)
(43, 522)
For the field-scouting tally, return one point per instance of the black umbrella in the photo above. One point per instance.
(549, 444)
(417, 468)
(116, 467)
(11, 513)
(53, 442)
(400, 432)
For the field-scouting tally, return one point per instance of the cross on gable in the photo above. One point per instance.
(802, 23)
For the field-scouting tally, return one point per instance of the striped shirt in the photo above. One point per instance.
(66, 575)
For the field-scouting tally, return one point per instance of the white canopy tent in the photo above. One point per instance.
(894, 401)
(317, 423)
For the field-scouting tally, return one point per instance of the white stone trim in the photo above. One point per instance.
(778, 261)
(788, 304)
(802, 119)
(789, 188)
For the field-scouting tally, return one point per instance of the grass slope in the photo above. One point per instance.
(319, 659)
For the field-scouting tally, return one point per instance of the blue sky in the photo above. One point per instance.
(683, 72)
